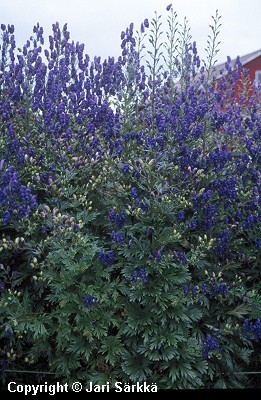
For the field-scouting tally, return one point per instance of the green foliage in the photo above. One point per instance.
(105, 281)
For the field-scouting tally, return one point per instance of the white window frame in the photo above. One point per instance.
(258, 78)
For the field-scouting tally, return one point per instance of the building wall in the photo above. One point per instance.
(253, 66)
(247, 87)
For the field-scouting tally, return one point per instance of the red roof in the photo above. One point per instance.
(244, 60)
(249, 57)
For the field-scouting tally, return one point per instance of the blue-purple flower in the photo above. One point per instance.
(146, 23)
(6, 217)
(117, 237)
(252, 329)
(9, 333)
(210, 345)
(186, 290)
(106, 258)
(89, 301)
(117, 218)
(158, 257)
(139, 274)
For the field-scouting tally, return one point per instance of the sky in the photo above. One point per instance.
(98, 23)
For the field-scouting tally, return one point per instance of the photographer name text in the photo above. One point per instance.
(77, 387)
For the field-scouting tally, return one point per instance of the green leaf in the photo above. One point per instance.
(240, 311)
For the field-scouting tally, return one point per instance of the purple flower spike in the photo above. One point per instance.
(146, 23)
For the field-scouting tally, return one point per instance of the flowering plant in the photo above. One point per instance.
(129, 208)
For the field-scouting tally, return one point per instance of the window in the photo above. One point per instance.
(258, 78)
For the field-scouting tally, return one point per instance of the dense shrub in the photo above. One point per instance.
(129, 212)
